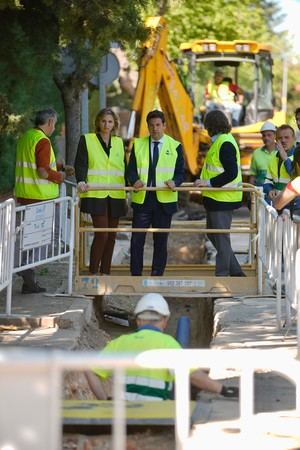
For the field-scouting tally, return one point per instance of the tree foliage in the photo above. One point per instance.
(219, 19)
(57, 43)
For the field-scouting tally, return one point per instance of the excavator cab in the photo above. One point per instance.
(245, 65)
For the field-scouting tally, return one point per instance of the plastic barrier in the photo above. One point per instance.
(34, 377)
(297, 278)
(270, 244)
(42, 233)
(291, 243)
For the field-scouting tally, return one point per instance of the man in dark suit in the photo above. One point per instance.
(155, 160)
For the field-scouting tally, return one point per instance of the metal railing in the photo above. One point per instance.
(34, 377)
(246, 227)
(7, 233)
(297, 285)
(33, 235)
(291, 243)
(44, 233)
(270, 235)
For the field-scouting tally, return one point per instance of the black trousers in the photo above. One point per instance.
(226, 262)
(150, 214)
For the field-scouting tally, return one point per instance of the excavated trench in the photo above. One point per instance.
(182, 249)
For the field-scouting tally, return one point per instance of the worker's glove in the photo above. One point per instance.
(230, 391)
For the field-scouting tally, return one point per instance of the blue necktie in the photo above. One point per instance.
(155, 154)
(154, 161)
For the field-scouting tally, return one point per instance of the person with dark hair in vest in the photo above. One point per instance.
(155, 160)
(221, 169)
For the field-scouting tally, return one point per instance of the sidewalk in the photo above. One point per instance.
(250, 323)
(44, 320)
(51, 319)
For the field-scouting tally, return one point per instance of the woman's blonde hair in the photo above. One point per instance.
(107, 112)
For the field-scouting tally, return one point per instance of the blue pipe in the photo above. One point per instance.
(183, 331)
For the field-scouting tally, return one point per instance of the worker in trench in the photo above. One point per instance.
(143, 384)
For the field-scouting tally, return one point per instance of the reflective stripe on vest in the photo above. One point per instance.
(139, 387)
(28, 183)
(105, 171)
(164, 169)
(213, 167)
(281, 179)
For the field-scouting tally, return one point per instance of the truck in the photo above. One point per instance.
(179, 89)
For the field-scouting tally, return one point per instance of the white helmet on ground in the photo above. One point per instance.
(268, 126)
(151, 306)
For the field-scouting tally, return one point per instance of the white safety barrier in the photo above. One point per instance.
(45, 233)
(297, 285)
(7, 232)
(34, 377)
(40, 233)
(291, 243)
(270, 235)
(279, 242)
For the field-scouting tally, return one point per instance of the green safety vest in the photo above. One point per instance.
(103, 170)
(220, 92)
(213, 167)
(28, 182)
(144, 383)
(164, 169)
(279, 177)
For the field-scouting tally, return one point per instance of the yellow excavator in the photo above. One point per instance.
(179, 89)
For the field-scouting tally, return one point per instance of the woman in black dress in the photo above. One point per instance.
(100, 160)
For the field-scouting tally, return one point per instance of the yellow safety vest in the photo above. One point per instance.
(164, 169)
(278, 177)
(143, 383)
(103, 170)
(213, 167)
(28, 182)
(220, 92)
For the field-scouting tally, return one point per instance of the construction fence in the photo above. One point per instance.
(33, 235)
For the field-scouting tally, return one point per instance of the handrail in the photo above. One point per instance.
(182, 188)
(172, 230)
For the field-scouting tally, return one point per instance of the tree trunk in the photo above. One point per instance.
(72, 106)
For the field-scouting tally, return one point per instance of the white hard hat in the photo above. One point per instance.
(268, 126)
(150, 306)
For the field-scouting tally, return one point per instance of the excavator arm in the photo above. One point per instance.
(159, 79)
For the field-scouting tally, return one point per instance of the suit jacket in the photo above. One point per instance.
(178, 178)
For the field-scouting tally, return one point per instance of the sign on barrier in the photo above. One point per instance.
(38, 225)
